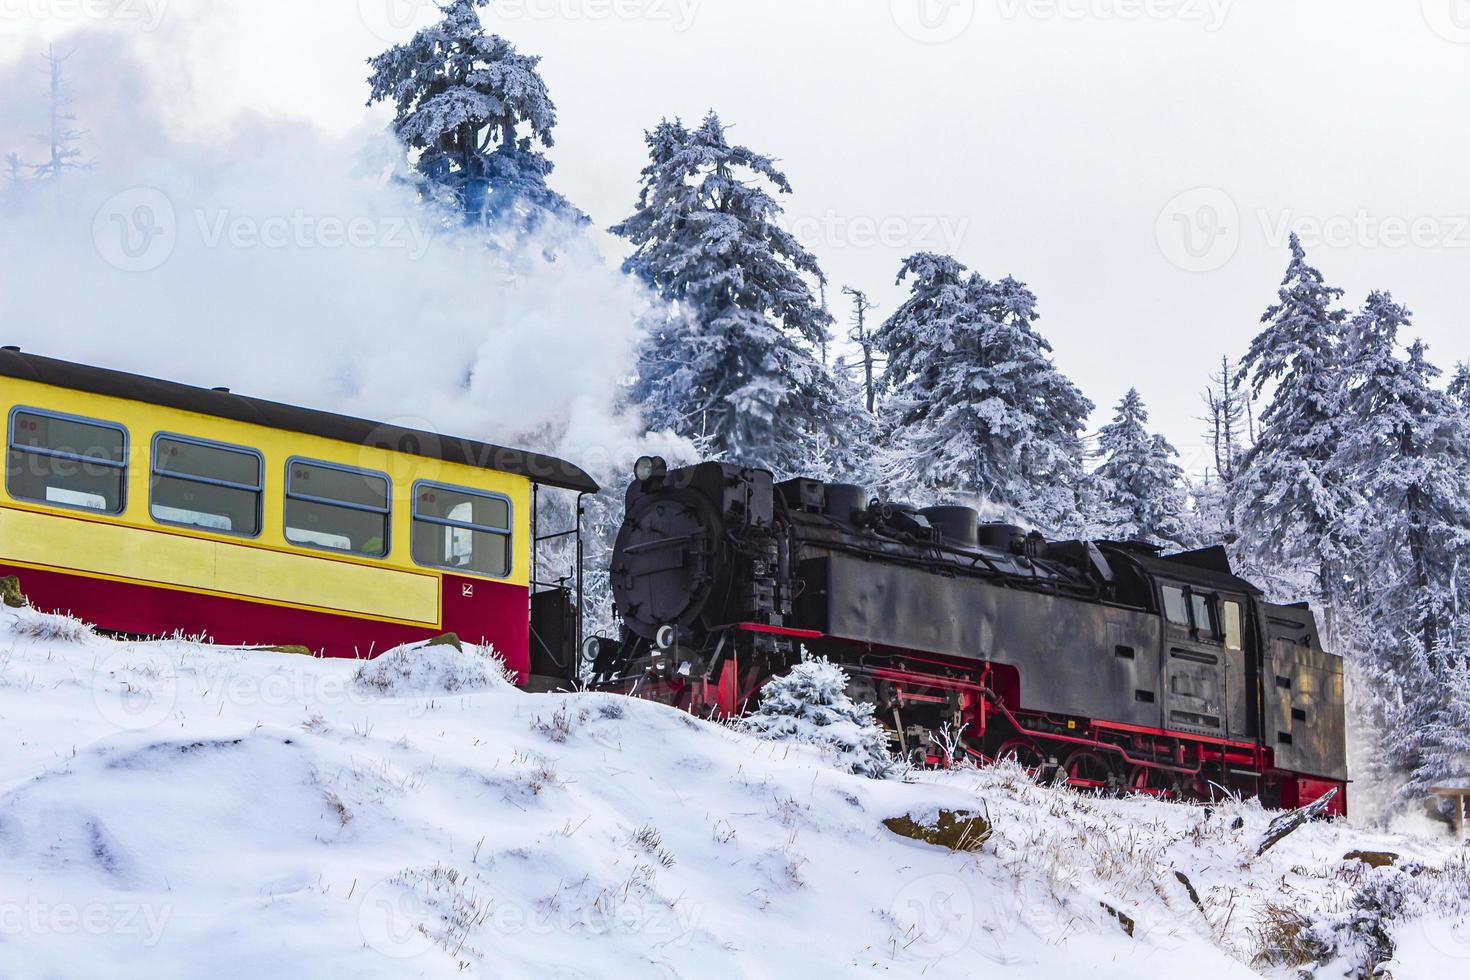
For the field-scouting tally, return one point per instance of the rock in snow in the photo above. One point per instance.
(173, 809)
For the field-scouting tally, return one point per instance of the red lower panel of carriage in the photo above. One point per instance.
(478, 611)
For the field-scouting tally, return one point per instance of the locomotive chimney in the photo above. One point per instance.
(1002, 537)
(959, 527)
(844, 500)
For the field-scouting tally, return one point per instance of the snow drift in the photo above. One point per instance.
(172, 808)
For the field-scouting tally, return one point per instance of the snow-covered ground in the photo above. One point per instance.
(178, 810)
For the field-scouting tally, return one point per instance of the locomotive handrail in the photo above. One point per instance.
(660, 543)
(1085, 589)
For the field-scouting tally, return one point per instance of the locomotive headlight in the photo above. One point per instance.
(591, 647)
(650, 468)
(665, 637)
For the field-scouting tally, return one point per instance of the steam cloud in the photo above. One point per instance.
(284, 262)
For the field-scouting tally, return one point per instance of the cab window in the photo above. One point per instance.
(1234, 625)
(1204, 616)
(66, 462)
(1176, 605)
(206, 485)
(337, 508)
(461, 530)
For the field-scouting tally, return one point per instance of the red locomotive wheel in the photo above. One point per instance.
(1088, 768)
(1153, 781)
(1024, 752)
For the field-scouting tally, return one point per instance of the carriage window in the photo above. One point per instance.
(1234, 626)
(205, 485)
(67, 462)
(1204, 616)
(1176, 606)
(337, 508)
(461, 530)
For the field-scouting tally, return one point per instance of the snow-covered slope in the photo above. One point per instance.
(178, 810)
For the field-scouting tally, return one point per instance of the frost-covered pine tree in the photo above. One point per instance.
(975, 404)
(1227, 421)
(848, 457)
(810, 705)
(734, 365)
(1140, 486)
(1441, 749)
(1406, 455)
(1288, 497)
(62, 138)
(477, 113)
(1459, 385)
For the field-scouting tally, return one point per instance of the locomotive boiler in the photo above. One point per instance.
(1107, 663)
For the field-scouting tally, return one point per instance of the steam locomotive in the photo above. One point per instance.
(1108, 664)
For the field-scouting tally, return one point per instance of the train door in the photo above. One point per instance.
(1198, 668)
(1240, 695)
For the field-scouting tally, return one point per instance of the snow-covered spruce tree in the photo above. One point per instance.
(1442, 748)
(1406, 454)
(1140, 486)
(810, 705)
(1288, 496)
(847, 455)
(733, 367)
(474, 110)
(975, 404)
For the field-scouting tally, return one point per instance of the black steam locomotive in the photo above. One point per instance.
(1107, 662)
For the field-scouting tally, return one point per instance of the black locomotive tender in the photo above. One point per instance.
(1119, 666)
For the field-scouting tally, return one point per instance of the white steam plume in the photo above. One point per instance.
(282, 262)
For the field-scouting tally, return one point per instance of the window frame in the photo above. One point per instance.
(1212, 633)
(508, 532)
(1183, 590)
(124, 466)
(154, 472)
(387, 512)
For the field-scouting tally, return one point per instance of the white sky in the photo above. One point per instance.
(1048, 139)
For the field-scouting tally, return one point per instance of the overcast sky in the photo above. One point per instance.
(1137, 162)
